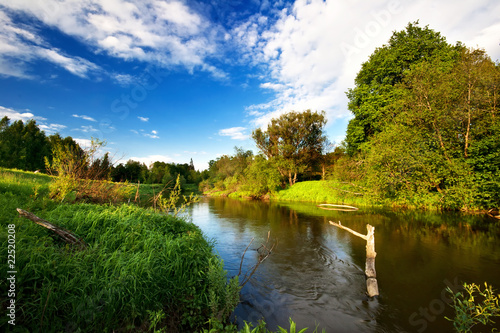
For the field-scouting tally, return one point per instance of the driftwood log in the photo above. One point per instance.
(371, 274)
(66, 235)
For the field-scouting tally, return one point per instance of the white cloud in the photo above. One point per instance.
(313, 52)
(86, 129)
(51, 128)
(144, 119)
(153, 134)
(235, 133)
(14, 115)
(20, 46)
(272, 86)
(123, 79)
(84, 117)
(195, 152)
(84, 143)
(26, 115)
(168, 33)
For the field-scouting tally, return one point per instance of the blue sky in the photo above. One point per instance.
(174, 80)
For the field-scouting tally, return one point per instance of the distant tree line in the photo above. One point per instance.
(25, 146)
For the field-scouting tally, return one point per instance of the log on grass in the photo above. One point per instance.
(66, 235)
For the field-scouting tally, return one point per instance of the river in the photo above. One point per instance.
(315, 275)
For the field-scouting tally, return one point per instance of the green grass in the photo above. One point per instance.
(322, 191)
(137, 263)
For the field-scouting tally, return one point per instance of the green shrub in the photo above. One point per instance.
(474, 306)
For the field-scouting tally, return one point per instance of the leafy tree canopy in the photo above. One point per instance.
(374, 96)
(293, 142)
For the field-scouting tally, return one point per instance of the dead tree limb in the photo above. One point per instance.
(371, 274)
(264, 252)
(66, 235)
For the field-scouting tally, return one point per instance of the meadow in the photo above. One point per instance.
(141, 270)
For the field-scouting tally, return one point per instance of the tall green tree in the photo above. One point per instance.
(293, 142)
(373, 100)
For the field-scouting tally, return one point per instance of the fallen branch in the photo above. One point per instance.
(371, 274)
(264, 252)
(66, 235)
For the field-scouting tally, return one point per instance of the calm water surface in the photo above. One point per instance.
(316, 273)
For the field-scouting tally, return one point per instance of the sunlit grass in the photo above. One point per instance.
(322, 191)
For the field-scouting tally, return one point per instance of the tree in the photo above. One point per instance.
(22, 146)
(261, 177)
(293, 142)
(373, 100)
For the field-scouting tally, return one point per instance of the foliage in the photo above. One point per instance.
(81, 176)
(474, 306)
(426, 125)
(293, 142)
(217, 327)
(377, 83)
(223, 297)
(261, 177)
(174, 202)
(22, 146)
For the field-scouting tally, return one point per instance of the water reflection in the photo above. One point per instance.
(316, 274)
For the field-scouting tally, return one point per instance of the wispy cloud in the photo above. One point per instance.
(84, 117)
(144, 119)
(166, 33)
(309, 68)
(235, 133)
(51, 128)
(21, 46)
(86, 129)
(152, 135)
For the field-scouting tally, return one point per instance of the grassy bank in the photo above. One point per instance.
(335, 192)
(318, 191)
(141, 270)
(323, 191)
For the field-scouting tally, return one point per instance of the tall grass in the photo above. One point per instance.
(137, 262)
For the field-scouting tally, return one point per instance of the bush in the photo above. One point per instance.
(474, 306)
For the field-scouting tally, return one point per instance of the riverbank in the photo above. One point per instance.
(344, 193)
(140, 270)
(318, 191)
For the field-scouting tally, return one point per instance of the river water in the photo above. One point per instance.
(315, 275)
